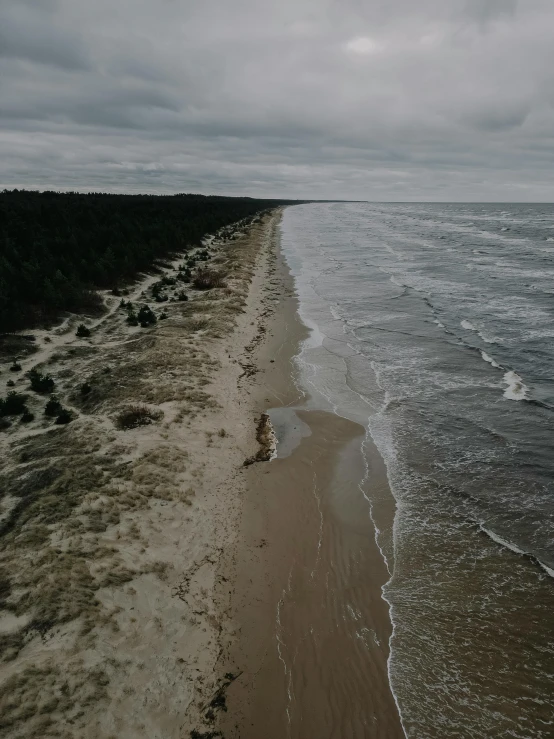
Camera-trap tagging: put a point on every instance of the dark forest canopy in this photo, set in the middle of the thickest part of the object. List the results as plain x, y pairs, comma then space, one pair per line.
57, 248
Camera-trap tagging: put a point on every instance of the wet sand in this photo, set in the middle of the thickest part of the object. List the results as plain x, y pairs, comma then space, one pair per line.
311, 627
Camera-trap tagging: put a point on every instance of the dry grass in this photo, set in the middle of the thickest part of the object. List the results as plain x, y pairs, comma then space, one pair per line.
77, 490
207, 278
137, 415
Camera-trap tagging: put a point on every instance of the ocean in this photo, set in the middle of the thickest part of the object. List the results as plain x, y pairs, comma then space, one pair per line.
433, 326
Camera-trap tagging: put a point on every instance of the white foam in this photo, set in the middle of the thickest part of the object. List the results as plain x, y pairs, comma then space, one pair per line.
513, 548
470, 327
502, 542
516, 390
490, 360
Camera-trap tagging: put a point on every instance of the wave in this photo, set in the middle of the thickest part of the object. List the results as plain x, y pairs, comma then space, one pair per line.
490, 360
470, 327
513, 548
516, 390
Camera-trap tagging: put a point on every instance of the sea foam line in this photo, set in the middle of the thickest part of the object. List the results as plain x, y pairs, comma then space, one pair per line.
517, 389
515, 549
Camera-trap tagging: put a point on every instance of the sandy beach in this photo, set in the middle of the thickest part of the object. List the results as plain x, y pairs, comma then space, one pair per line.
158, 585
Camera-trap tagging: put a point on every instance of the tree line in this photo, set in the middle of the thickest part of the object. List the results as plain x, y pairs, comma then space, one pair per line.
57, 249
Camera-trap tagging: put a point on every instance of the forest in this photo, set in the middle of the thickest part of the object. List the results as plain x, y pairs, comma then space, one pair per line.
57, 249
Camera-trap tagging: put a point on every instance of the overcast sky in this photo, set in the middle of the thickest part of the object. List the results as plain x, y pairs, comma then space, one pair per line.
361, 99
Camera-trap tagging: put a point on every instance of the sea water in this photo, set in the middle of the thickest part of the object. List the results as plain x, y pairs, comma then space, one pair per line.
433, 326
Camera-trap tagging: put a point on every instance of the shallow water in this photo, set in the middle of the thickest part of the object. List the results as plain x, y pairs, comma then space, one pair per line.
432, 325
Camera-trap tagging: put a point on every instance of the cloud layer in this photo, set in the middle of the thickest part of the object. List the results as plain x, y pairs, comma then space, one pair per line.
396, 100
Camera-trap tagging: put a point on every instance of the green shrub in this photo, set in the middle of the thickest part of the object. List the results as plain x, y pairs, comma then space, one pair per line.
13, 404
53, 407
182, 295
83, 331
146, 316
40, 383
15, 367
27, 416
10, 383
64, 416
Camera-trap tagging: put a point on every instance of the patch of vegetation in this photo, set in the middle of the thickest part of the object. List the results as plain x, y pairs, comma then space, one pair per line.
64, 417
53, 407
82, 331
27, 417
182, 295
13, 404
207, 279
137, 415
146, 316
15, 366
40, 383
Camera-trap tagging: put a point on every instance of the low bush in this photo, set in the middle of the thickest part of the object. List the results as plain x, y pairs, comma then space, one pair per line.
27, 416
83, 331
64, 416
182, 295
85, 388
16, 367
146, 316
53, 407
136, 415
10, 383
13, 404
40, 383
206, 279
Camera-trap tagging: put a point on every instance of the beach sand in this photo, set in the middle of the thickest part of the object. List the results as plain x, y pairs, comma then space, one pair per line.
157, 585
312, 628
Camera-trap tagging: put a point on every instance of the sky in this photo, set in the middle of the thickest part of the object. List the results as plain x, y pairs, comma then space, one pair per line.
335, 99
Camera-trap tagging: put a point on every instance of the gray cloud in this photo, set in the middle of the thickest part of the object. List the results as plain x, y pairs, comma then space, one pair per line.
447, 99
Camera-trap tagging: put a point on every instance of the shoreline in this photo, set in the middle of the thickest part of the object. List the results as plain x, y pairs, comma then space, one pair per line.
312, 626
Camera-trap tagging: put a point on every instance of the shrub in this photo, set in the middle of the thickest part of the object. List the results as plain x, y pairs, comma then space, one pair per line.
13, 404
122, 303
64, 416
182, 295
4, 424
10, 383
146, 316
16, 367
40, 383
160, 298
136, 415
27, 416
163, 315
85, 388
82, 331
206, 279
53, 407
132, 319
